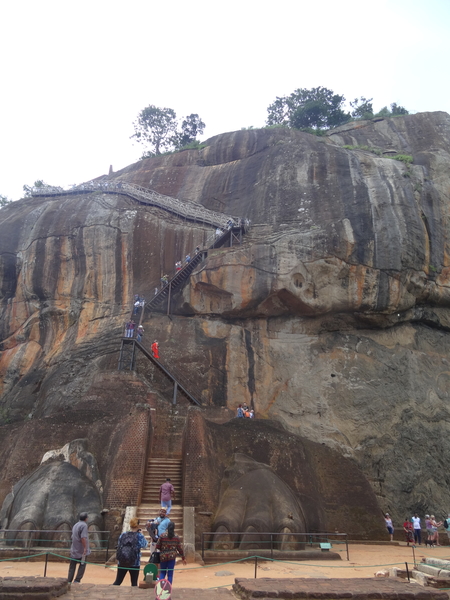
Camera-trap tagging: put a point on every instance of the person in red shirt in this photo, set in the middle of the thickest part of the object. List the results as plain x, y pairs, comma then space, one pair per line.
155, 349
409, 531
166, 495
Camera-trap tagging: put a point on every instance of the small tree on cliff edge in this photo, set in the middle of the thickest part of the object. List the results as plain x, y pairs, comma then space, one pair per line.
318, 108
157, 129
4, 200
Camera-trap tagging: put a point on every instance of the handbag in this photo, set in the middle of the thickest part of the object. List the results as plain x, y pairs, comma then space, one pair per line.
155, 558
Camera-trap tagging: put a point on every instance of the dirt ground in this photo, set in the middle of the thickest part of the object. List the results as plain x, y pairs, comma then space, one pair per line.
365, 561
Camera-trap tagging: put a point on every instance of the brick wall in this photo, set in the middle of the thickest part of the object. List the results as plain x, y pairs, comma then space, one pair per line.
127, 471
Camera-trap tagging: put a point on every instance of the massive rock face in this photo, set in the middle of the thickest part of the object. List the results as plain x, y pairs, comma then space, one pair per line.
332, 317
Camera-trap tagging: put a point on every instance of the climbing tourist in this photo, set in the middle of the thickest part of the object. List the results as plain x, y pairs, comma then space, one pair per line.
152, 528
239, 412
197, 249
162, 521
127, 328
389, 526
409, 531
169, 546
230, 223
156, 290
417, 529
136, 306
129, 553
252, 414
218, 232
140, 333
155, 349
166, 495
79, 548
188, 258
131, 328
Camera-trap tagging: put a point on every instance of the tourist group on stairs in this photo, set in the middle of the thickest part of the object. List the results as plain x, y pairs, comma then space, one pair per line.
243, 411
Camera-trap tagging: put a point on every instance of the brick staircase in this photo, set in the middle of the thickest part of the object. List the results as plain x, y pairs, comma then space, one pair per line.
158, 469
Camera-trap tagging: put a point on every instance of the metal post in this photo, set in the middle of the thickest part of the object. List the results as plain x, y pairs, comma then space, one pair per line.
107, 551
175, 389
256, 564
45, 568
407, 571
346, 544
271, 546
168, 298
414, 555
203, 546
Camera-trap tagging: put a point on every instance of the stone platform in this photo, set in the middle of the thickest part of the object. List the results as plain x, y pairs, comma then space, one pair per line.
32, 588
328, 589
47, 588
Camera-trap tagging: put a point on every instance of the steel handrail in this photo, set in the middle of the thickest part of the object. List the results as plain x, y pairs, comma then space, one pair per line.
187, 209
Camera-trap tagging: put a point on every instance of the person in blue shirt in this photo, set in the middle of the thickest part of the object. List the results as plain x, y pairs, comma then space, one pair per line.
162, 521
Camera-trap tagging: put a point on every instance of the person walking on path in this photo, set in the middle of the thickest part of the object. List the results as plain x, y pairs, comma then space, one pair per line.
140, 333
132, 325
155, 349
166, 495
129, 553
417, 526
169, 546
79, 549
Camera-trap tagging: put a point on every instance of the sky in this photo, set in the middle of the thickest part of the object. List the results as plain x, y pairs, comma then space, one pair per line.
75, 74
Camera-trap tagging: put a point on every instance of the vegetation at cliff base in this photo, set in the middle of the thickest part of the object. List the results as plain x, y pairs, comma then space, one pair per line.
158, 130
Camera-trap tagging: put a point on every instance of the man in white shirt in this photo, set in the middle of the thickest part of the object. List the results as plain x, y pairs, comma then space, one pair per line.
417, 529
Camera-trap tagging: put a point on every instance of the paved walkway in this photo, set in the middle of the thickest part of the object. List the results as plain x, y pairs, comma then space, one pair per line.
114, 592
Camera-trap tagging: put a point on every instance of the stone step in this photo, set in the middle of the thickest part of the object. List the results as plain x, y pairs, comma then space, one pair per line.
433, 570
437, 562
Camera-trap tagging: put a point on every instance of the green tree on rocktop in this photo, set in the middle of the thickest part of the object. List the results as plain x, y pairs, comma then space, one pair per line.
157, 129
318, 108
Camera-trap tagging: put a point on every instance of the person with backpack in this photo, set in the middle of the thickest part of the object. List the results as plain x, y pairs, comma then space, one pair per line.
240, 412
129, 553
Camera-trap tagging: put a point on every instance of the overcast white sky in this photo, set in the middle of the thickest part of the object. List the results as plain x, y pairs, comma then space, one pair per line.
75, 74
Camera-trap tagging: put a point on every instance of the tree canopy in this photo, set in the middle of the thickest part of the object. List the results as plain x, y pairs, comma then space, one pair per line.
4, 200
320, 108
29, 188
157, 129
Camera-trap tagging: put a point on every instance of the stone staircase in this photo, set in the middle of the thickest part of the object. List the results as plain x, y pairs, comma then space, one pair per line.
157, 471
433, 572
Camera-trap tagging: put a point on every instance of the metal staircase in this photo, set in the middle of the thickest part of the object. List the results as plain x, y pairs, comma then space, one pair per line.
127, 361
228, 237
185, 209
